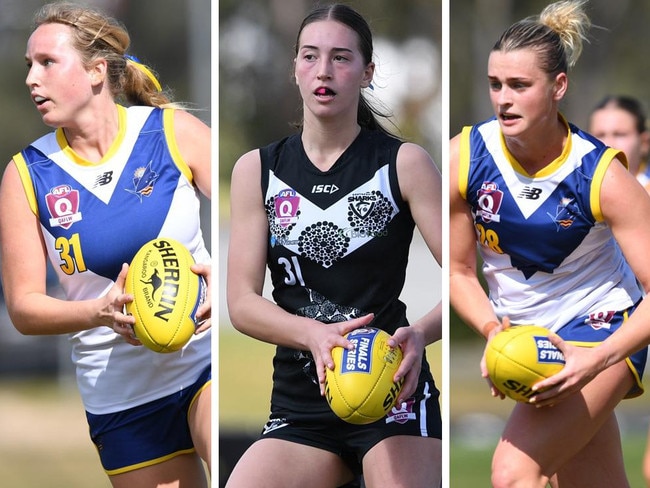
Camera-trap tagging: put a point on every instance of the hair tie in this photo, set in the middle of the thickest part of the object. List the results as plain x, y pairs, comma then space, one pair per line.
136, 62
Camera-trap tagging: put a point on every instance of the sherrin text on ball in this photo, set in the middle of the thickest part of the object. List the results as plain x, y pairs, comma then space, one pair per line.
166, 294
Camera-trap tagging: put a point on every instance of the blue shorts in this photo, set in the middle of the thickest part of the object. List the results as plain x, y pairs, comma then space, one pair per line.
588, 331
147, 434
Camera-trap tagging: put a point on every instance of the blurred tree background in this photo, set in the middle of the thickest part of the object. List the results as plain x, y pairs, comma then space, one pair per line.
612, 62
258, 100
174, 38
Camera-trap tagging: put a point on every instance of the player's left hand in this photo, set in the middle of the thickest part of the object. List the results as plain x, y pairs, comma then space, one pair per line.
204, 313
411, 341
582, 365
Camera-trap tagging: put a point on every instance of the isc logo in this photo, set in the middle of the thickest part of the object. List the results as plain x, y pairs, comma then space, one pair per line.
324, 189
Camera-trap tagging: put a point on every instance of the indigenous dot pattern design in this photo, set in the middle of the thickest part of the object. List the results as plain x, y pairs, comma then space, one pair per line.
326, 311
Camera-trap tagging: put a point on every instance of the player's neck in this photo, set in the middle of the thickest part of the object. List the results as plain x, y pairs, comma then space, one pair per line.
93, 133
324, 143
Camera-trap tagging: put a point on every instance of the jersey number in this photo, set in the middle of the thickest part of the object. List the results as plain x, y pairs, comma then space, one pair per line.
292, 268
70, 253
488, 238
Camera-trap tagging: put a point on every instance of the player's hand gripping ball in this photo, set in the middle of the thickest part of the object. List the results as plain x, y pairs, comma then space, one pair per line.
166, 294
520, 356
360, 388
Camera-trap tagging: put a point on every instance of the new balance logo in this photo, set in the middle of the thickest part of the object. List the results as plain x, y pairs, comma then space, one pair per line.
103, 179
530, 193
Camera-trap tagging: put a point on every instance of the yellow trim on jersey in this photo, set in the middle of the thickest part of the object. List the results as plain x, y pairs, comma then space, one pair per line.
597, 180
550, 168
170, 135
121, 131
463, 162
151, 462
26, 179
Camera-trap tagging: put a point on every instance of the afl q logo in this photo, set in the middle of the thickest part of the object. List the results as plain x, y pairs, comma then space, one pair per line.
286, 207
63, 206
489, 201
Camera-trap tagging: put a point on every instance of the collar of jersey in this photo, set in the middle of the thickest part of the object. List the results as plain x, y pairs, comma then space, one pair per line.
550, 168
70, 153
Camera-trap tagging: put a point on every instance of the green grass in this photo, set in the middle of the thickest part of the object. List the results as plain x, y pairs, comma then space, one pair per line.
470, 468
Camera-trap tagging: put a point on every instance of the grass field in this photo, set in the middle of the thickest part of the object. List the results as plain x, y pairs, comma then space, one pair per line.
43, 438
476, 420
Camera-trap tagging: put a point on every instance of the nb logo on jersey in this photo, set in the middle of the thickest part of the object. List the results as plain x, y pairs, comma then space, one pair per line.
530, 193
103, 179
324, 189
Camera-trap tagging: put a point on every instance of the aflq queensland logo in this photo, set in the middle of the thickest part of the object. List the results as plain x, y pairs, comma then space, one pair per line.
489, 201
63, 205
358, 360
286, 207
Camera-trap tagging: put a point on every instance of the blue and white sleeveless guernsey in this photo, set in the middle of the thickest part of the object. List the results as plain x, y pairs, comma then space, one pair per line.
94, 217
548, 256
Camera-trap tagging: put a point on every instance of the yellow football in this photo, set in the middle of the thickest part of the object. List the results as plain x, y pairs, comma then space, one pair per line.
166, 294
520, 356
360, 388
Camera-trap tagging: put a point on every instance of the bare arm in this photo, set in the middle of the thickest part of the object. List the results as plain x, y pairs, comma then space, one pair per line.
421, 187
250, 312
626, 207
24, 266
193, 140
465, 291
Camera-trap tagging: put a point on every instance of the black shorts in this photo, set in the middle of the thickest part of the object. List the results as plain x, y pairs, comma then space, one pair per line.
418, 416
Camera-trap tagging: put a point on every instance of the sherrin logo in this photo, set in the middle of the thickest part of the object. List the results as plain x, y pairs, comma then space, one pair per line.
168, 284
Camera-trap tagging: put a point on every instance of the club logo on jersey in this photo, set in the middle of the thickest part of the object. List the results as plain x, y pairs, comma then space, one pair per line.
489, 201
369, 214
362, 205
600, 320
402, 413
144, 179
63, 205
286, 205
565, 213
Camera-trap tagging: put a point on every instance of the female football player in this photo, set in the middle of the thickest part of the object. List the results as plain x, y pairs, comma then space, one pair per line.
337, 262
555, 214
117, 171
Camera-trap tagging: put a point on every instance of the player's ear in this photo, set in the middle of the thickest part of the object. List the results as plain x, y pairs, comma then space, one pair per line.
560, 86
97, 71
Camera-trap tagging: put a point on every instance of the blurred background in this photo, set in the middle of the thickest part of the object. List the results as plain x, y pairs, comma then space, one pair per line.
613, 62
43, 432
258, 102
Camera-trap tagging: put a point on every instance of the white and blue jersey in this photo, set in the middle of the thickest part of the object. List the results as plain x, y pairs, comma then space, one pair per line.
548, 256
93, 218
